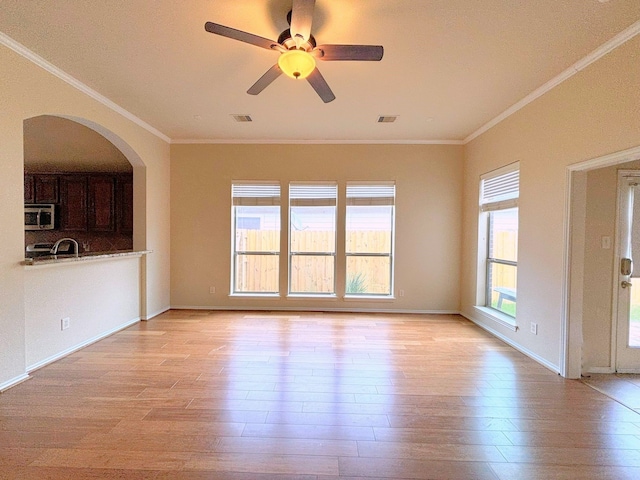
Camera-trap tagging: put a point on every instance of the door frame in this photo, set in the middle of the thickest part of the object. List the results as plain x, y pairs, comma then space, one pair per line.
571, 331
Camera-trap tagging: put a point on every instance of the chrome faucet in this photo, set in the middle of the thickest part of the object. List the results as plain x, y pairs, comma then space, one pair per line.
54, 249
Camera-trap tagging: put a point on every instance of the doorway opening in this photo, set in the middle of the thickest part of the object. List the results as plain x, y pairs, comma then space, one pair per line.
591, 337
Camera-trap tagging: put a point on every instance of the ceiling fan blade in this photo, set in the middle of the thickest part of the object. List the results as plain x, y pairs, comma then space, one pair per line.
240, 35
321, 86
349, 52
301, 19
265, 80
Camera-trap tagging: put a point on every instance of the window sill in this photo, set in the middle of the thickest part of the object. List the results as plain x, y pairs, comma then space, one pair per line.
324, 296
368, 298
256, 295
491, 314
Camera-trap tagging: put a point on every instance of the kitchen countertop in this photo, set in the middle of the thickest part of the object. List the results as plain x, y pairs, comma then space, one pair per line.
82, 257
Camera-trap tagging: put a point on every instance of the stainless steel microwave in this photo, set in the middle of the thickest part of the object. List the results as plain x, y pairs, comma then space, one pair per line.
39, 216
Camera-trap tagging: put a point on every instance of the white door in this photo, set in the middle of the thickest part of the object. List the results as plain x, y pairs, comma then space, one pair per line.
628, 278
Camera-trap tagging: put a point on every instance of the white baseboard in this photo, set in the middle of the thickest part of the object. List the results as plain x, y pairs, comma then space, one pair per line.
79, 346
311, 309
511, 343
13, 382
149, 316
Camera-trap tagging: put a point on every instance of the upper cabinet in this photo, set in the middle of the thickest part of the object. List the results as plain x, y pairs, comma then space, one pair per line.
124, 201
102, 199
87, 202
73, 203
46, 187
41, 189
29, 189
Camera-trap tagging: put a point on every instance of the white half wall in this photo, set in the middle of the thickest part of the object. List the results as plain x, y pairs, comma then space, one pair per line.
99, 297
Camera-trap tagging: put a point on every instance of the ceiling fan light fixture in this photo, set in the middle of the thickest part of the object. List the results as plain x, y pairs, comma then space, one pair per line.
296, 63
298, 50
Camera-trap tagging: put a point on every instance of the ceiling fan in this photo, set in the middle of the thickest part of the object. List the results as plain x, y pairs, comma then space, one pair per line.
298, 50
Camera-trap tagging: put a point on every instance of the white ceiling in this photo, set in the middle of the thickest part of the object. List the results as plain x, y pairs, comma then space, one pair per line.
449, 67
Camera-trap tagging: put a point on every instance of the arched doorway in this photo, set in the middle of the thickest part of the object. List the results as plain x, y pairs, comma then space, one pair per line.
108, 152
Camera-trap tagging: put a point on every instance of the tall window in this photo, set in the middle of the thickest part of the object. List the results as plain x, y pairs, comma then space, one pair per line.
256, 238
499, 193
369, 239
312, 238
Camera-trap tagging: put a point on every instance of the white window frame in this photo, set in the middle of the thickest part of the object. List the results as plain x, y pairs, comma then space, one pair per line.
499, 190
253, 194
373, 193
322, 194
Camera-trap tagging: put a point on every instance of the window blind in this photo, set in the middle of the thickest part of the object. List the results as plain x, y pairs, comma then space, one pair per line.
370, 194
313, 194
500, 191
255, 194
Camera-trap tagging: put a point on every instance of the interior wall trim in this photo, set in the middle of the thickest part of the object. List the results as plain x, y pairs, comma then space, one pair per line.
80, 346
20, 49
592, 57
248, 141
23, 51
152, 315
311, 309
13, 382
624, 36
534, 356
614, 158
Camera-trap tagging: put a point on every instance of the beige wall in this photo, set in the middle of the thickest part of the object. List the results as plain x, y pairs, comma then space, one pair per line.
27, 91
592, 114
428, 203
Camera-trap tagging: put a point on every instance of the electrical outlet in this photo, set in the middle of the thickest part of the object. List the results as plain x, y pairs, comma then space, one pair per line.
401, 292
534, 328
65, 323
212, 289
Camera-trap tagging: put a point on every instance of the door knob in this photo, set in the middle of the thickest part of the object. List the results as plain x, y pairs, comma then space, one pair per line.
626, 284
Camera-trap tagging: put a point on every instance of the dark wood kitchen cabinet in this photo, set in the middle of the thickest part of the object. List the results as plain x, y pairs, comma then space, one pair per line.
46, 188
87, 202
101, 203
124, 201
73, 203
29, 189
41, 189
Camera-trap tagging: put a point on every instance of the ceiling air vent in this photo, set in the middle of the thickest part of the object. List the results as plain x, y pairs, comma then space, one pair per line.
387, 118
242, 118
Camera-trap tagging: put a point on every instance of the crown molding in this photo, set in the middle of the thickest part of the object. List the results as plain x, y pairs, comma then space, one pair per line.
242, 141
23, 51
624, 36
595, 55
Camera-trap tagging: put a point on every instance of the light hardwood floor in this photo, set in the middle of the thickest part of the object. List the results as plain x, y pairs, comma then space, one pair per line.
622, 387
283, 396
